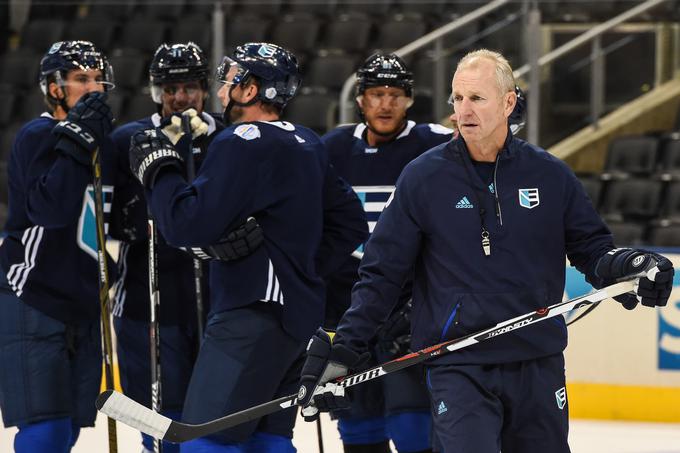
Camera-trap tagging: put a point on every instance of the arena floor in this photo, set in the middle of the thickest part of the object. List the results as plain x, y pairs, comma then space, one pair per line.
586, 437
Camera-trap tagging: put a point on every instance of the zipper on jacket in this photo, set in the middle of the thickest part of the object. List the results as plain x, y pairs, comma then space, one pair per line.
499, 213
451, 320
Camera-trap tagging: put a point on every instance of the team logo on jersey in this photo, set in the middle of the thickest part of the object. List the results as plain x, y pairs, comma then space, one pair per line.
248, 131
528, 198
299, 139
492, 189
464, 203
561, 397
374, 199
370, 150
87, 225
266, 51
442, 409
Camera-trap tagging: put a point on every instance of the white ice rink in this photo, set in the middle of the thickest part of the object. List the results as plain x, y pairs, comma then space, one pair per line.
585, 437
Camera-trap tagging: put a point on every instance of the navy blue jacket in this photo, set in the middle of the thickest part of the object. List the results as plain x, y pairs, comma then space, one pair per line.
543, 214
129, 224
274, 172
373, 172
49, 256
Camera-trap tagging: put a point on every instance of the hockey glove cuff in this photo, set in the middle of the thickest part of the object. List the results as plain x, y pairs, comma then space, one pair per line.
239, 243
655, 284
149, 153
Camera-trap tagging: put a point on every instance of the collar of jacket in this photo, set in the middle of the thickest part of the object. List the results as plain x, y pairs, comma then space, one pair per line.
459, 148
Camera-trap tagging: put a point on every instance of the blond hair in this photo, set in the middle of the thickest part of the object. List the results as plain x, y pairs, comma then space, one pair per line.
504, 77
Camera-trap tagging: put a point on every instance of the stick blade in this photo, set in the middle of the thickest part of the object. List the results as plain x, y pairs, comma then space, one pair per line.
125, 410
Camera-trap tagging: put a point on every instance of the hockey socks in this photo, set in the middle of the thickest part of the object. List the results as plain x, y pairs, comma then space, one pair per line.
49, 436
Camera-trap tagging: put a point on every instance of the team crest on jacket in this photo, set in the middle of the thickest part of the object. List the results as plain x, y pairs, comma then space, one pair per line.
528, 198
248, 131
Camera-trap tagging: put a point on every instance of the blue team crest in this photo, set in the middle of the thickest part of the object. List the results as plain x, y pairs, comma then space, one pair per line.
87, 227
266, 51
528, 198
248, 131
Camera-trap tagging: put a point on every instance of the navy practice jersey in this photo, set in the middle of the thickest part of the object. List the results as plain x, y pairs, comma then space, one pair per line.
434, 222
372, 171
49, 256
275, 172
129, 224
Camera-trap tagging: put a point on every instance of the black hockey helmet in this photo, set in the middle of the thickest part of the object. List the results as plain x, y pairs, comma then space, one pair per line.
65, 56
177, 63
384, 70
517, 117
275, 69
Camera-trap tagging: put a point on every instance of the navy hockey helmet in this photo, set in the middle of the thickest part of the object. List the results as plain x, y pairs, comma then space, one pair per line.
517, 117
177, 63
275, 69
65, 56
384, 70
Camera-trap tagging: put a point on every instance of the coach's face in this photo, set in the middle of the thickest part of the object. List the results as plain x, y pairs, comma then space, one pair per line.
480, 109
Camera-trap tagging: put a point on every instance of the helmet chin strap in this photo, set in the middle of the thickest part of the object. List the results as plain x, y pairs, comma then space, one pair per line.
232, 102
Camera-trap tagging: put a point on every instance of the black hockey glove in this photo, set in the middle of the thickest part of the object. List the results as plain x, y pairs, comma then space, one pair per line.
394, 337
239, 243
85, 127
150, 151
325, 362
654, 288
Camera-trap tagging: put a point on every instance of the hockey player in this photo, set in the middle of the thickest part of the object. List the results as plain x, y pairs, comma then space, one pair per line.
484, 222
50, 346
370, 156
178, 77
264, 307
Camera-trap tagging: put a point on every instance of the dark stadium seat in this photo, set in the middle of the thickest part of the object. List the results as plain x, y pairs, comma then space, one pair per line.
664, 235
19, 69
130, 71
634, 197
670, 206
138, 106
330, 70
373, 7
141, 35
40, 34
398, 31
7, 107
669, 157
197, 29
314, 109
593, 186
7, 138
349, 32
631, 155
170, 10
244, 28
297, 32
627, 233
33, 105
270, 8
98, 31
106, 9
430, 8
3, 187
317, 7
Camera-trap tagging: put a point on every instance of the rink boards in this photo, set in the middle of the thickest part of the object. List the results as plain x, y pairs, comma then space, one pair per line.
625, 365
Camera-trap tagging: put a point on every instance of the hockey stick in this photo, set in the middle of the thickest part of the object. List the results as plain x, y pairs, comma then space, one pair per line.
154, 325
131, 413
198, 266
104, 301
